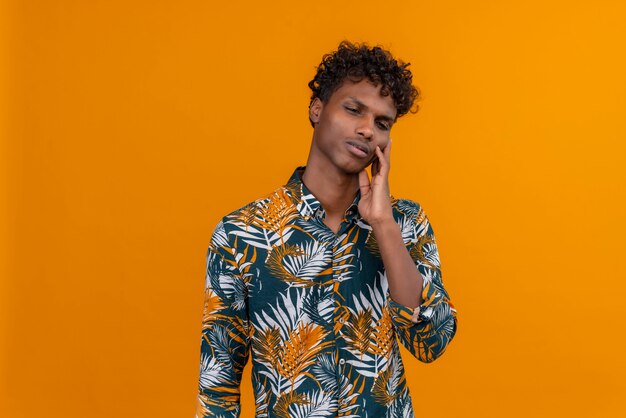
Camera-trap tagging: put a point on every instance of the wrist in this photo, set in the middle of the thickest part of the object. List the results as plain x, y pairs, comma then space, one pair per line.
383, 223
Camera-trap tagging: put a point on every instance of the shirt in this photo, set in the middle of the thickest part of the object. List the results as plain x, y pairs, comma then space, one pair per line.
314, 309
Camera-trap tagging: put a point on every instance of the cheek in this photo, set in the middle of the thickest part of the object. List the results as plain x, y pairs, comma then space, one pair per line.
335, 127
384, 142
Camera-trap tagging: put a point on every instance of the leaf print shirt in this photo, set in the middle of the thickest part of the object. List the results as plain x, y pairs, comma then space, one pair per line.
314, 310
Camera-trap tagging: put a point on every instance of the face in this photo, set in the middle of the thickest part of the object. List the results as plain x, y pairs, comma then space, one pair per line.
351, 124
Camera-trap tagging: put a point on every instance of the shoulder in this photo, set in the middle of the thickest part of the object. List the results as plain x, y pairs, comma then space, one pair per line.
243, 215
405, 208
410, 215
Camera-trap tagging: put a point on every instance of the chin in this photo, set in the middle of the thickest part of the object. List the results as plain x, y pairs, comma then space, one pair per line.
352, 167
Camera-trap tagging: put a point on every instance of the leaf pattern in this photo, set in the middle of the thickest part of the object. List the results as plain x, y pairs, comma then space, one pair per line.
299, 351
313, 308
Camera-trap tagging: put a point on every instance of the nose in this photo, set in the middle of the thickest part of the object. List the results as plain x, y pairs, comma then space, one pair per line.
366, 128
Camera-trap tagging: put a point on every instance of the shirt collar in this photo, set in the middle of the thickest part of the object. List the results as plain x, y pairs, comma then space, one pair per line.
308, 205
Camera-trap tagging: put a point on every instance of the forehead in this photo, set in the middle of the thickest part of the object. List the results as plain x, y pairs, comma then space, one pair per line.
367, 93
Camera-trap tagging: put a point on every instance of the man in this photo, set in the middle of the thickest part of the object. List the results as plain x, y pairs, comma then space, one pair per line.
319, 278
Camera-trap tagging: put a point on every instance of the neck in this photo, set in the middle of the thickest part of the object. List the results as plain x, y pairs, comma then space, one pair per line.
334, 188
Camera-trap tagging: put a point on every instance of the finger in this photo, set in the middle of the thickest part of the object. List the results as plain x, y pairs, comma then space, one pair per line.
375, 167
383, 163
364, 182
388, 154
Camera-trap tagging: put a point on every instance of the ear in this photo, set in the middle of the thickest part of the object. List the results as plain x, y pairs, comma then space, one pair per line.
315, 110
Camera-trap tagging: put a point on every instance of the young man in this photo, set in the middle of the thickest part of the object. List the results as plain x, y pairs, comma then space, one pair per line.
319, 278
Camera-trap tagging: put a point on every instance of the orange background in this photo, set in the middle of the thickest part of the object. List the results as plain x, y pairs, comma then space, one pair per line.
130, 128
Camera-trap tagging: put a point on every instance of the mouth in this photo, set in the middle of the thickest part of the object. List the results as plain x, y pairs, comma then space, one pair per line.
358, 148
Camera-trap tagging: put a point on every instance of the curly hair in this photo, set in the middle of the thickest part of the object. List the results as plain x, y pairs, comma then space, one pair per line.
358, 61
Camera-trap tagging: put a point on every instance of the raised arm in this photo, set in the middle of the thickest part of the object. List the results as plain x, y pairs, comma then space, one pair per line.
427, 329
423, 316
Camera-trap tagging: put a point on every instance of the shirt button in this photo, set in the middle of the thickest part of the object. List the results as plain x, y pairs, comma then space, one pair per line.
342, 362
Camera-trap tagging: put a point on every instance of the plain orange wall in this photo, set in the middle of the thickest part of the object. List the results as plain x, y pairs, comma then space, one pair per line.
130, 128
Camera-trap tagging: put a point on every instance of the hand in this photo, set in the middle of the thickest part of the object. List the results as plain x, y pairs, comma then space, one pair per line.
375, 204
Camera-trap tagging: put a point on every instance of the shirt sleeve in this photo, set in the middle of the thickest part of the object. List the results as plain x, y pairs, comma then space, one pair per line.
225, 339
427, 330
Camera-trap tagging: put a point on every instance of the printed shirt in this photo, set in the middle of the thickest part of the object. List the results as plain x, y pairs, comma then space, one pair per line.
314, 309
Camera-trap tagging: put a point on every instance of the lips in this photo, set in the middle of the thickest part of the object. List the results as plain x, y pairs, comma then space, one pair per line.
360, 148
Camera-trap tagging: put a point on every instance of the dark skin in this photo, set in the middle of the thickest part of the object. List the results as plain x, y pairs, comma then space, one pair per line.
351, 132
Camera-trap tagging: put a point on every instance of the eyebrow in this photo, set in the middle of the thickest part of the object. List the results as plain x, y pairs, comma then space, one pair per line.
363, 105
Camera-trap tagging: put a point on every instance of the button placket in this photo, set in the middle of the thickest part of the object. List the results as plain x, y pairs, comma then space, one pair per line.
337, 311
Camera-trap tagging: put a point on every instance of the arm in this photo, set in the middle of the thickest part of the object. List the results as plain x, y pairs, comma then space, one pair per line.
424, 318
414, 274
225, 338
405, 281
